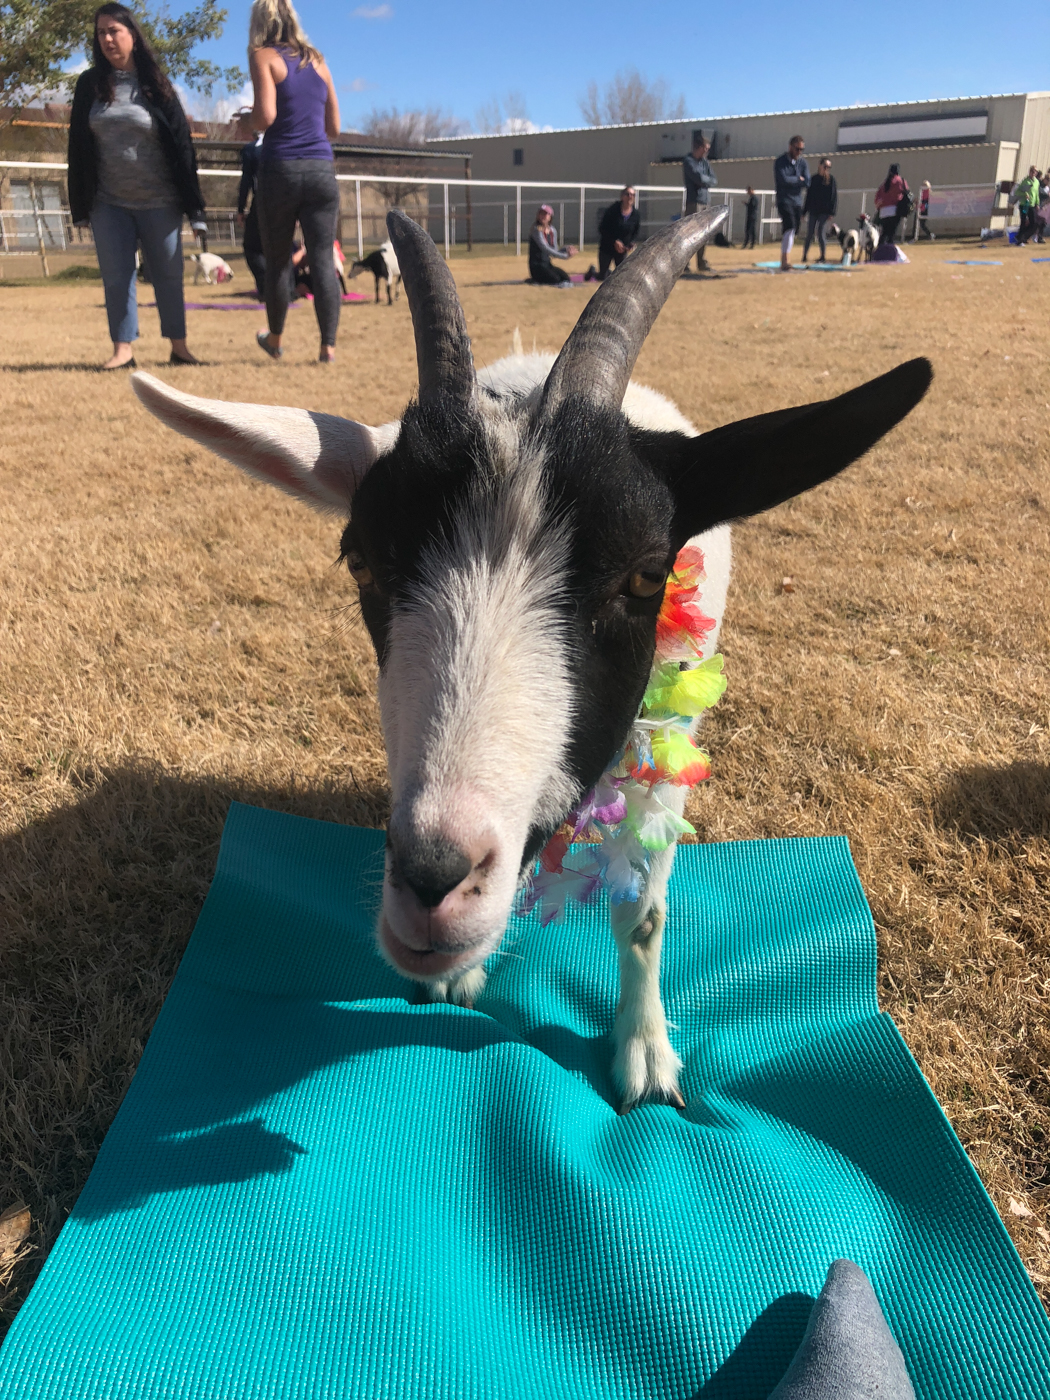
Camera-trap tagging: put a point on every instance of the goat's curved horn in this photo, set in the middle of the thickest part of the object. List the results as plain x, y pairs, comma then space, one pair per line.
443, 357
597, 359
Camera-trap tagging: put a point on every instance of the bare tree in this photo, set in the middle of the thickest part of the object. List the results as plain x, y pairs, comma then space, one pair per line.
408, 128
508, 117
412, 126
629, 99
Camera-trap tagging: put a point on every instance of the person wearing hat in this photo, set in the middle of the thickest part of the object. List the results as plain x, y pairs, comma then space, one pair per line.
617, 234
543, 245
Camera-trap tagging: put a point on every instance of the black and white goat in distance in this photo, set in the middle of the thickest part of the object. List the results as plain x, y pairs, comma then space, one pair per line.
510, 538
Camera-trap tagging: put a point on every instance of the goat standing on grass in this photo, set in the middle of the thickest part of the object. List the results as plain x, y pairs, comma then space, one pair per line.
383, 266
511, 537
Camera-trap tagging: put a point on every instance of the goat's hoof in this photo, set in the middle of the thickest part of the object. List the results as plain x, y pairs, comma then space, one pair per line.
645, 1070
669, 1098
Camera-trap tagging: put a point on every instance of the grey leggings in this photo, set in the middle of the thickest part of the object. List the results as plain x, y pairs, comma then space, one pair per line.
303, 190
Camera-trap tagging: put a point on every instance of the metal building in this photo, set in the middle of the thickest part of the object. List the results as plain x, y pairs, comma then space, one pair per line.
976, 144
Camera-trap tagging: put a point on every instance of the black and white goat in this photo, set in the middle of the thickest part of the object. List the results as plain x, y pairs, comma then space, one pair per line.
860, 240
383, 266
511, 537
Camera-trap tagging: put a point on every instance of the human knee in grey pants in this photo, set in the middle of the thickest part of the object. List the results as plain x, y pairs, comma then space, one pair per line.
303, 190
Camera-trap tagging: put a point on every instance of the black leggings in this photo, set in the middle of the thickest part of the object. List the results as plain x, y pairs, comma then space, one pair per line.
253, 251
303, 190
888, 227
607, 254
547, 275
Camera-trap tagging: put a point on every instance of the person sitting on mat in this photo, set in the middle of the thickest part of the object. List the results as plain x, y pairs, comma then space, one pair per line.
617, 234
543, 245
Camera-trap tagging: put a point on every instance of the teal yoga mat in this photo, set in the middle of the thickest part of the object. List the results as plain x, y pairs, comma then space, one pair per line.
316, 1189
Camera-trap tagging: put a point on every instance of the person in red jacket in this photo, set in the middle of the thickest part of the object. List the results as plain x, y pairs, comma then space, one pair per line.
891, 199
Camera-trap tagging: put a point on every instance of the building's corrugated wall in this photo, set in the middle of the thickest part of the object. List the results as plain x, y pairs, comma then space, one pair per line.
614, 155
1035, 134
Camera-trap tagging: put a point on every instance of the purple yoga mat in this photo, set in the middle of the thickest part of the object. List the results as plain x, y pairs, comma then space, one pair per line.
252, 305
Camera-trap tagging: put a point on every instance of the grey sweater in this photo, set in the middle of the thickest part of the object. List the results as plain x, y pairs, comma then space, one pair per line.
132, 168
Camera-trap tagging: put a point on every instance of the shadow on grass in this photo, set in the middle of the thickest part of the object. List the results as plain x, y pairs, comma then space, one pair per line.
97, 902
1007, 803
44, 369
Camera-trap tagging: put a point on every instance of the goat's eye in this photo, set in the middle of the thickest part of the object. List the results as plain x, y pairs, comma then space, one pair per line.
359, 570
646, 584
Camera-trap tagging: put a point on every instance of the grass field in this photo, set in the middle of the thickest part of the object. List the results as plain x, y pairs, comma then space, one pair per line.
173, 636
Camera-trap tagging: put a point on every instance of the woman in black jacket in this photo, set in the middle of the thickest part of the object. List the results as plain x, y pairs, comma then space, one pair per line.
132, 177
617, 234
822, 202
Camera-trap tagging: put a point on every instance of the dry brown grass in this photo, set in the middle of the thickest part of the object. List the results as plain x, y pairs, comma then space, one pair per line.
173, 636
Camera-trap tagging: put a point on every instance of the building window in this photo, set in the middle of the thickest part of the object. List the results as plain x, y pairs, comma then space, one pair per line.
519, 155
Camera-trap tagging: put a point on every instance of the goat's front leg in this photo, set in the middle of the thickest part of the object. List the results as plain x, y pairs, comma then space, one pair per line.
644, 1064
460, 991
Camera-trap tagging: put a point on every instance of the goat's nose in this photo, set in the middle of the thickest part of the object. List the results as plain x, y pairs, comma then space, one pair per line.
431, 866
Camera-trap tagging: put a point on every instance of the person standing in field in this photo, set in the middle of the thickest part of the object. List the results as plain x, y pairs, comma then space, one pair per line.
698, 178
543, 245
1026, 196
822, 202
892, 200
297, 111
791, 181
248, 215
924, 212
132, 178
617, 234
750, 218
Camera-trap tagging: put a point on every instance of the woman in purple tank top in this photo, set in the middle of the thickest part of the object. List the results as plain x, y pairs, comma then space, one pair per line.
297, 110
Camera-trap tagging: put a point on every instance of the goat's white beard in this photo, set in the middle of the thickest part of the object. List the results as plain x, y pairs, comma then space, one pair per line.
477, 705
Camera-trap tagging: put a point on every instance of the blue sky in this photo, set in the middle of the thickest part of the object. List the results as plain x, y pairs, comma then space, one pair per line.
756, 57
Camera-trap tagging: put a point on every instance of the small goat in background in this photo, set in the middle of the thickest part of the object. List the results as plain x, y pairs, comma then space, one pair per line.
511, 538
383, 266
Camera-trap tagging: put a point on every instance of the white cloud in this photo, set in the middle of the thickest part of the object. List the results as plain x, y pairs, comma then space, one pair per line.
215, 109
360, 85
374, 12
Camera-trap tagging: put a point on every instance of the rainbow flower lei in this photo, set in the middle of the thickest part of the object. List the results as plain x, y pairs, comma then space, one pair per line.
624, 812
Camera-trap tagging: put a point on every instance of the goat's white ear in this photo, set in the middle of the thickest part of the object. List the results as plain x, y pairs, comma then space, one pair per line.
315, 456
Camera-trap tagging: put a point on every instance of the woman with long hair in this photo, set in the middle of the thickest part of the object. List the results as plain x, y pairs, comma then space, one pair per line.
297, 110
543, 245
132, 177
891, 200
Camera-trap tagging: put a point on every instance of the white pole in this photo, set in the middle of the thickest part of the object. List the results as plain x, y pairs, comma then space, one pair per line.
864, 202
517, 235
360, 226
583, 215
446, 220
762, 219
506, 224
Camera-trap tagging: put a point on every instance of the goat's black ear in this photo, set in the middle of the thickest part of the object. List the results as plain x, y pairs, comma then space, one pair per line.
747, 467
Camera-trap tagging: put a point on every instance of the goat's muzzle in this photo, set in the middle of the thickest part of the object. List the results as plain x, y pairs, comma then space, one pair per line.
434, 922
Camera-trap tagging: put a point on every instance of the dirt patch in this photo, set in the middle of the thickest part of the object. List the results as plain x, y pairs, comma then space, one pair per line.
173, 635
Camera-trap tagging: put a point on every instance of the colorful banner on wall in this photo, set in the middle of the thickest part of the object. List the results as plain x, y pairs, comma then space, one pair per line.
969, 202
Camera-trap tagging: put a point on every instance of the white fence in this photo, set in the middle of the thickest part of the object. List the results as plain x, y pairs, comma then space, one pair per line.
456, 212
